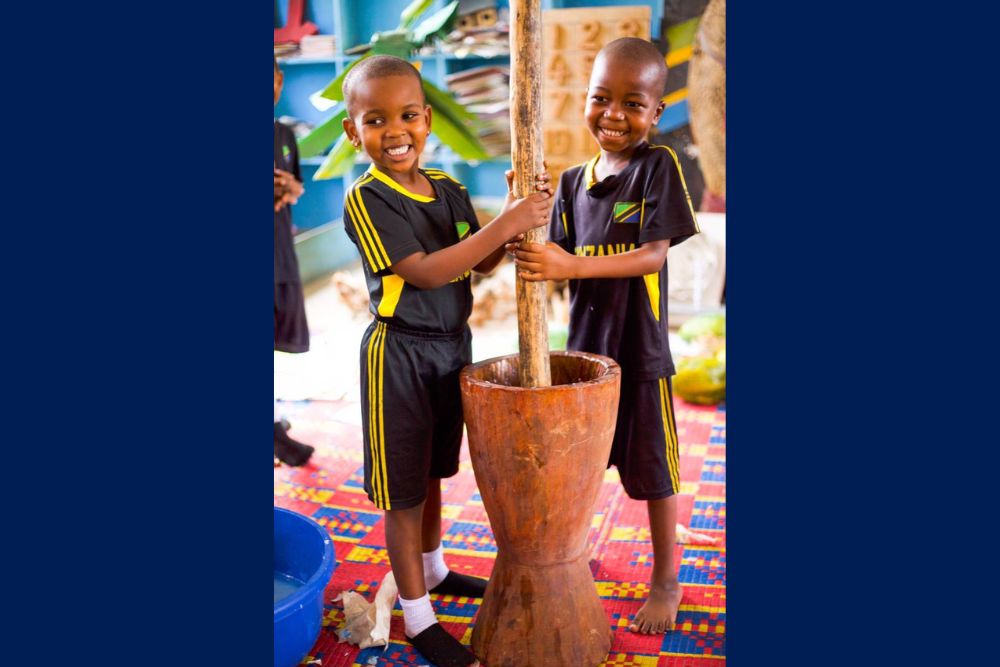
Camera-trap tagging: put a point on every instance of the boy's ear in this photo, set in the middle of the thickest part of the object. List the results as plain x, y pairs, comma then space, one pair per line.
351, 130
659, 111
427, 110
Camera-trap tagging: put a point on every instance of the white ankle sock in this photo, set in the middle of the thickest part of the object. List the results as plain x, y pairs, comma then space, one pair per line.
418, 615
434, 568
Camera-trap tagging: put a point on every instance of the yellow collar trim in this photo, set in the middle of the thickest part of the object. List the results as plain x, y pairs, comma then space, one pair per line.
374, 171
589, 170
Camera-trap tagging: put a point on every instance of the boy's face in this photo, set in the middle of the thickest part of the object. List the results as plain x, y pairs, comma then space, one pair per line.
390, 119
622, 104
279, 80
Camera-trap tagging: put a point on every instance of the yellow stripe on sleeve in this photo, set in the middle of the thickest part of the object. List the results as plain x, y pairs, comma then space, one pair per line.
360, 230
687, 195
377, 249
363, 227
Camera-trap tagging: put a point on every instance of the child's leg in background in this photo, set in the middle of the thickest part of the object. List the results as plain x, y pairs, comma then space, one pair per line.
291, 335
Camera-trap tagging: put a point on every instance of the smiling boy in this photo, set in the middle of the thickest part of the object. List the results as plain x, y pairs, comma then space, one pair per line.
614, 219
419, 240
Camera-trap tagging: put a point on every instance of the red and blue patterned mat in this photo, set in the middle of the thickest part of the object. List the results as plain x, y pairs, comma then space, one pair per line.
329, 490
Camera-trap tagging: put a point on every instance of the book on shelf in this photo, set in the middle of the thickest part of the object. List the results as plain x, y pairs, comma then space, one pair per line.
485, 46
494, 94
462, 77
286, 50
492, 109
318, 46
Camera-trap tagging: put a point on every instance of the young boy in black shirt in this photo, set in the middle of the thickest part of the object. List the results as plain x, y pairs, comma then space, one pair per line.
613, 221
419, 240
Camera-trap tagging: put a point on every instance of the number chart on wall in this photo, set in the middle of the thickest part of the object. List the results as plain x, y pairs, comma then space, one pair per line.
572, 38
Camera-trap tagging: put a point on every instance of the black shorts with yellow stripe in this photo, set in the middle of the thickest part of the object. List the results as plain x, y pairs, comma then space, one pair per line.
645, 448
411, 408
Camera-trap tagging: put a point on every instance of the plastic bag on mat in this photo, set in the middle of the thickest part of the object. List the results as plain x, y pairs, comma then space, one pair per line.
367, 624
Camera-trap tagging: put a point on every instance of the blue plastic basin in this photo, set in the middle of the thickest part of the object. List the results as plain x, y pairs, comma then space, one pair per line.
303, 562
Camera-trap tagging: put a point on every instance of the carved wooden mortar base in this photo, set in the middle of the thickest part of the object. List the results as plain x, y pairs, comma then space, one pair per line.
539, 456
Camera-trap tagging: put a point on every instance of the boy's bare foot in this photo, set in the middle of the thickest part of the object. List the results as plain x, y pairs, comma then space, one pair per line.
659, 613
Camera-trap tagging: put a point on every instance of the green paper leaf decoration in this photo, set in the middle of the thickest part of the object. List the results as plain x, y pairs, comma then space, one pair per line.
413, 12
393, 43
335, 89
322, 135
453, 136
440, 20
338, 162
450, 122
442, 100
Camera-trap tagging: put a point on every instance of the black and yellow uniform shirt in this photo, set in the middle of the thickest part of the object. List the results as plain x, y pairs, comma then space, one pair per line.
286, 157
623, 318
388, 223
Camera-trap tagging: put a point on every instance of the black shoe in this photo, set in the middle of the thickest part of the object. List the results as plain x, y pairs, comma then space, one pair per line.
440, 648
289, 451
460, 585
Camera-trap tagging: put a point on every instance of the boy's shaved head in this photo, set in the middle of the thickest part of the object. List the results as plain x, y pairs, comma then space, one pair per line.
641, 54
375, 67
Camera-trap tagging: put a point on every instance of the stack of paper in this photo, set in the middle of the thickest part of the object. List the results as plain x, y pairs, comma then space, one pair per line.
318, 46
285, 49
486, 42
485, 91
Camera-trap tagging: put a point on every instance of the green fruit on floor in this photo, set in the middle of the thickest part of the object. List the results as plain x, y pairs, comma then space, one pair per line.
701, 380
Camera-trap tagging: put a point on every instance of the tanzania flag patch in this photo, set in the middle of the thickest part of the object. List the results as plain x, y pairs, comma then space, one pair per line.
286, 151
628, 212
463, 229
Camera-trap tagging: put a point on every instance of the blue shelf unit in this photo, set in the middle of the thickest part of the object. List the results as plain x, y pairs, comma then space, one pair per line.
320, 241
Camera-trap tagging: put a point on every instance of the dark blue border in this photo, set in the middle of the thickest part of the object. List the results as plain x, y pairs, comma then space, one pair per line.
136, 253
857, 258
859, 229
